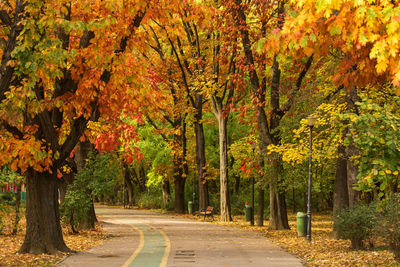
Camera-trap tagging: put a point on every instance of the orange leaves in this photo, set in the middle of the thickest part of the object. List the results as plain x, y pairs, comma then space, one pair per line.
21, 154
352, 28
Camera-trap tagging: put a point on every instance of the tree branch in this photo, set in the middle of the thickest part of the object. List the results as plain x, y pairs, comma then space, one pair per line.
285, 108
156, 127
5, 18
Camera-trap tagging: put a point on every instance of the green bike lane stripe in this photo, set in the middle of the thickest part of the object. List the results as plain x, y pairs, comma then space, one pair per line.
153, 249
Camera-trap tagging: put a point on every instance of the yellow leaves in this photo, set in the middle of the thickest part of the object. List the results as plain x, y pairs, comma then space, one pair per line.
379, 52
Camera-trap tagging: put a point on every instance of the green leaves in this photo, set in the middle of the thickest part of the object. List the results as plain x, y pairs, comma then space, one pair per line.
335, 30
377, 139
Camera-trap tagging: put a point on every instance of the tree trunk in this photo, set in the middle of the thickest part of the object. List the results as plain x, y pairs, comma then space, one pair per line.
180, 195
180, 166
128, 183
166, 192
142, 179
278, 219
261, 193
43, 229
340, 193
201, 163
352, 173
223, 170
129, 188
351, 151
294, 200
260, 211
236, 177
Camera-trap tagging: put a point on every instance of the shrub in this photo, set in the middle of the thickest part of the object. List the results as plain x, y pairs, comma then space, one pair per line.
389, 227
356, 223
97, 178
150, 201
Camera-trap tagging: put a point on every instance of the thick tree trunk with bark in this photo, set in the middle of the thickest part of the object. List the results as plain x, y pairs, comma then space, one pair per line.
201, 163
278, 219
179, 183
43, 229
340, 193
166, 192
179, 194
181, 169
223, 170
260, 211
278, 212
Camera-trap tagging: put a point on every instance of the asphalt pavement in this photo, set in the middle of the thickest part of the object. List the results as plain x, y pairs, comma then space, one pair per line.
147, 239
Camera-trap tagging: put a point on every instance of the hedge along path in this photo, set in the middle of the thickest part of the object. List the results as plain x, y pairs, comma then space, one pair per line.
154, 247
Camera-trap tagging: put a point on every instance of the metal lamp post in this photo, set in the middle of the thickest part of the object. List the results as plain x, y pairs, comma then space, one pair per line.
311, 122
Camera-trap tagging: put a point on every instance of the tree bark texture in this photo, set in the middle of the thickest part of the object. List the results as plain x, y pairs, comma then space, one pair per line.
43, 229
223, 169
201, 165
166, 192
351, 151
278, 219
352, 173
260, 211
180, 168
128, 184
129, 188
278, 211
340, 193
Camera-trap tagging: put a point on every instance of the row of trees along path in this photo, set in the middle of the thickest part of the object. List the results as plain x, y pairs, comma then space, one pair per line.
74, 74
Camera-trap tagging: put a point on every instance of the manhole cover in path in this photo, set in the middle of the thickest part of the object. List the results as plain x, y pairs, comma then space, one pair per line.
184, 256
107, 256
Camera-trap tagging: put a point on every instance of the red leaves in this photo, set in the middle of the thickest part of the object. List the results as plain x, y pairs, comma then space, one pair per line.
120, 138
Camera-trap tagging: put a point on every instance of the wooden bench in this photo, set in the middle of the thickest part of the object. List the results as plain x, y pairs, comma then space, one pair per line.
207, 212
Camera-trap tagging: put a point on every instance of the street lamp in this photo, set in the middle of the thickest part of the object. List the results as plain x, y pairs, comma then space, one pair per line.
311, 122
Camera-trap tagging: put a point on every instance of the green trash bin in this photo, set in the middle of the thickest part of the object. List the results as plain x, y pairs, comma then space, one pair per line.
247, 212
23, 196
301, 224
190, 207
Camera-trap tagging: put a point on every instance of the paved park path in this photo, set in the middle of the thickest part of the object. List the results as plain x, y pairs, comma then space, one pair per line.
147, 239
